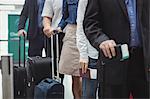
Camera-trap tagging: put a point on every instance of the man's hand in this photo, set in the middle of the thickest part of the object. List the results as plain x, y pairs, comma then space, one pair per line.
22, 32
48, 31
108, 48
84, 67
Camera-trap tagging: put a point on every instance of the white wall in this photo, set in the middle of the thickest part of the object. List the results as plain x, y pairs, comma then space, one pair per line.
12, 2
7, 7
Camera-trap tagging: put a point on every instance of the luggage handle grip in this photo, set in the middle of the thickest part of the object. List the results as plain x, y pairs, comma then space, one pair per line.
47, 81
56, 32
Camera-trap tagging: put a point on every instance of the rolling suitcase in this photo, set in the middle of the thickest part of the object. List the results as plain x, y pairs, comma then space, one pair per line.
20, 76
38, 68
51, 88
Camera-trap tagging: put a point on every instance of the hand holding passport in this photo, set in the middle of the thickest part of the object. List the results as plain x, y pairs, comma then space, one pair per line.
110, 49
121, 53
91, 73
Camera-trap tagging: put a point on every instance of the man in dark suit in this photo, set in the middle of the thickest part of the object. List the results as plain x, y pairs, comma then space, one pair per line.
146, 35
111, 22
35, 33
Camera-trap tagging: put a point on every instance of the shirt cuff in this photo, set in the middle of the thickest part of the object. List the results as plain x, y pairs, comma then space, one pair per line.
62, 24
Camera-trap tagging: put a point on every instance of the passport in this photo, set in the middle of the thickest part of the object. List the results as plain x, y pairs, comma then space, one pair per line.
122, 54
91, 73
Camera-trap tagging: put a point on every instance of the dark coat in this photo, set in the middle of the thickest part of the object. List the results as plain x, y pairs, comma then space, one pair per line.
30, 11
108, 19
146, 35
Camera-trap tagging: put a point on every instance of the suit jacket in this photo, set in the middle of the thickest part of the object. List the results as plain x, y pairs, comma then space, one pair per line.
30, 11
146, 35
108, 19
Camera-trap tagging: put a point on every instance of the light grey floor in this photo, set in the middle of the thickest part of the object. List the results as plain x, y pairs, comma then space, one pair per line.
68, 87
0, 85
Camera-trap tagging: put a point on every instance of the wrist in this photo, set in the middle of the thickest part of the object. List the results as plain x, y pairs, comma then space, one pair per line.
83, 60
47, 26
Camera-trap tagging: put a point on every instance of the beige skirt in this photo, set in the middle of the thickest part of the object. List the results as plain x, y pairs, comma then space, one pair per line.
69, 59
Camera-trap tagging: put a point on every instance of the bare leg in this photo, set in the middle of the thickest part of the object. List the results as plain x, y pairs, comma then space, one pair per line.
76, 87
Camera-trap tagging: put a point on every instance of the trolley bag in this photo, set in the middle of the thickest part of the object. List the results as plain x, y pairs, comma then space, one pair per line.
48, 52
20, 76
51, 88
38, 68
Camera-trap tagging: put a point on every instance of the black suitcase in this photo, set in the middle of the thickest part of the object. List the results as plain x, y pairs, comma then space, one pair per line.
19, 82
51, 88
20, 76
38, 68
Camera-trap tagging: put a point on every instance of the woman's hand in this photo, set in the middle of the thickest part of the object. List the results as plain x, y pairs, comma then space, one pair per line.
84, 67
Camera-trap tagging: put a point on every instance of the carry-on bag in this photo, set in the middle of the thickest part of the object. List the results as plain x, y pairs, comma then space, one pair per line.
20, 75
51, 88
38, 68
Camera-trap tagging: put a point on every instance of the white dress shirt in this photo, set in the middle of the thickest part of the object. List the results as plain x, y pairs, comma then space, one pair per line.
53, 9
85, 48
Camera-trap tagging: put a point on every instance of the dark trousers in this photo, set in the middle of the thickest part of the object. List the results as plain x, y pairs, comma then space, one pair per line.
36, 46
136, 83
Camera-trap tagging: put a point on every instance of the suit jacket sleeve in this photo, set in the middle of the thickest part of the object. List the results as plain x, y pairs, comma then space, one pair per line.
24, 15
92, 24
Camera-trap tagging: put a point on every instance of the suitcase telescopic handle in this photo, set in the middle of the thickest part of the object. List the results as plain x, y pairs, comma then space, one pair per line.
23, 50
57, 54
55, 32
